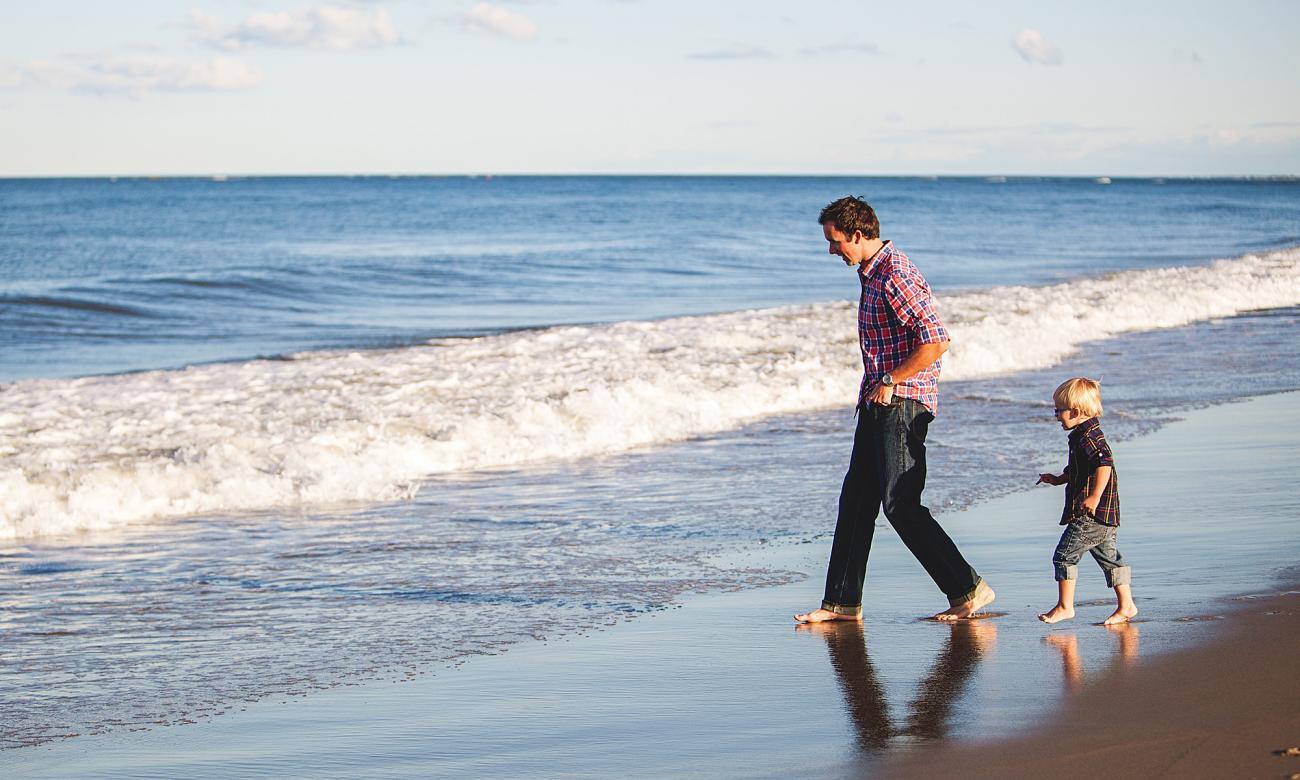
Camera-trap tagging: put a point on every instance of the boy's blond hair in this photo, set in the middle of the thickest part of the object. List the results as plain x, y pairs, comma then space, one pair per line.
1080, 394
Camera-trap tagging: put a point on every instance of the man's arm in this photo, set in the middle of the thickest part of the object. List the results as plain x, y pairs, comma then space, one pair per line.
921, 358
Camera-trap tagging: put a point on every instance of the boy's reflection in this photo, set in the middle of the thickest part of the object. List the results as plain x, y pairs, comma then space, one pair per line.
930, 711
1126, 653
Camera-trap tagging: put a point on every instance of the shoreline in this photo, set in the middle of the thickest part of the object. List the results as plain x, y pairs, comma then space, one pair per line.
721, 685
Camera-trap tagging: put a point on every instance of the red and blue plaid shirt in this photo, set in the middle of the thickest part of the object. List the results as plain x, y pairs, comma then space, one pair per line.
1089, 451
896, 315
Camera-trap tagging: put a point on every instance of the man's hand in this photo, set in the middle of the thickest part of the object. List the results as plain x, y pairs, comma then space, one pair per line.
879, 394
1048, 479
1090, 504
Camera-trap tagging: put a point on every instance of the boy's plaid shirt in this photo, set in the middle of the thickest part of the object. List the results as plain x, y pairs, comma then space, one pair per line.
896, 314
1088, 451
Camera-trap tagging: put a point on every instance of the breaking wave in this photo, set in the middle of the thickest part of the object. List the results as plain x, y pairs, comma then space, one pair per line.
330, 428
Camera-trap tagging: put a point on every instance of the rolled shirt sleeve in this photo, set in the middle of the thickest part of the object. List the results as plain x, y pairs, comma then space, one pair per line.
909, 296
1097, 449
896, 314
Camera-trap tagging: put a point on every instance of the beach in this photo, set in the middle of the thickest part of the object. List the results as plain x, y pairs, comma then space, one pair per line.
544, 505
1228, 708
397, 392
723, 684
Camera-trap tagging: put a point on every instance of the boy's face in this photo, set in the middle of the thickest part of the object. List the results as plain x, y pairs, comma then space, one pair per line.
1069, 417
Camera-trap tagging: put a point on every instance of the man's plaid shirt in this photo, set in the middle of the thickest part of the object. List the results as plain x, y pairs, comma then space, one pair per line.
1088, 452
895, 315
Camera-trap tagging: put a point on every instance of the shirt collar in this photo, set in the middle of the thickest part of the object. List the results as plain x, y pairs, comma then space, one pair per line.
865, 269
1082, 429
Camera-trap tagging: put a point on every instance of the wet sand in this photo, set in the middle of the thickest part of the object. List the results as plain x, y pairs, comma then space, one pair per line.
1225, 709
727, 687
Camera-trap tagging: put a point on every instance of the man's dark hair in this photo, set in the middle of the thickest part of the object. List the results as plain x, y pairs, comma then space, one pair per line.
849, 214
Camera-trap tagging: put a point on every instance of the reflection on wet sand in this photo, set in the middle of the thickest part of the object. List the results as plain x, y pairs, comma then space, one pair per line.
1072, 672
930, 711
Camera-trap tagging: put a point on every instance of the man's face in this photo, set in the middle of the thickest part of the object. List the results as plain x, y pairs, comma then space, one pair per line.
847, 248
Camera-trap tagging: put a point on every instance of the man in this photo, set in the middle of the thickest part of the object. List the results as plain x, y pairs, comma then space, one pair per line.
902, 339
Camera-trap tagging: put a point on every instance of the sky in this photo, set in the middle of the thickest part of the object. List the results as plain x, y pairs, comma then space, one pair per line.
244, 87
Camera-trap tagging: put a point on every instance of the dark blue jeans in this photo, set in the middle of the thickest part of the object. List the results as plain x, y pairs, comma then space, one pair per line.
887, 470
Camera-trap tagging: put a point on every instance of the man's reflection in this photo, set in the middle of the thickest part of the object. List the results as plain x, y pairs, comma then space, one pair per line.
857, 677
931, 710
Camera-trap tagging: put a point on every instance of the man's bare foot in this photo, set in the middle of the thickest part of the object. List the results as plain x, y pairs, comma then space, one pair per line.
1121, 615
831, 629
983, 597
1056, 614
824, 615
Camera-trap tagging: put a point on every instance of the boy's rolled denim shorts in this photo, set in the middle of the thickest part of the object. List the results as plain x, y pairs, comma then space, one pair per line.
1085, 535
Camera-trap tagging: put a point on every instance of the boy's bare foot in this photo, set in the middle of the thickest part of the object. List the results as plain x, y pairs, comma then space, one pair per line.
1121, 615
1056, 614
983, 597
823, 615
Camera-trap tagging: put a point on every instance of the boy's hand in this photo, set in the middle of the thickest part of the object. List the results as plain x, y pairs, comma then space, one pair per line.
1090, 504
1048, 479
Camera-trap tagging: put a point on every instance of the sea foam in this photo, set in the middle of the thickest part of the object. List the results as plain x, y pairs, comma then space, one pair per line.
334, 428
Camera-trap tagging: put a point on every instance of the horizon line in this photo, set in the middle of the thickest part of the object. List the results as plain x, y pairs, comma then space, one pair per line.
226, 176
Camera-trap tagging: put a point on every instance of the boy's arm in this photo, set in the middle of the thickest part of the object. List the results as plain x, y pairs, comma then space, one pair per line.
1099, 482
1052, 479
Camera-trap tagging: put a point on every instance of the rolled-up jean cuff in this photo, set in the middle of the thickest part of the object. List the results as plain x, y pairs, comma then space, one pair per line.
1120, 575
1067, 571
841, 609
968, 595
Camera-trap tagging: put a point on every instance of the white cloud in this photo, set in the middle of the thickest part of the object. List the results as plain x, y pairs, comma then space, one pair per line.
736, 53
12, 75
1258, 136
335, 27
840, 48
132, 75
1034, 48
494, 20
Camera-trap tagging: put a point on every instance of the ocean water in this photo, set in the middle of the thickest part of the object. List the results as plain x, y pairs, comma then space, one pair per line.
261, 437
106, 276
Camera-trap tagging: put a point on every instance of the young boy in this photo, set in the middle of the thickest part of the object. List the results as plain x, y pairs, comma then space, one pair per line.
1091, 516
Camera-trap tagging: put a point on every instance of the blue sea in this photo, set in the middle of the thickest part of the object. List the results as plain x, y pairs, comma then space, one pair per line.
264, 436
106, 276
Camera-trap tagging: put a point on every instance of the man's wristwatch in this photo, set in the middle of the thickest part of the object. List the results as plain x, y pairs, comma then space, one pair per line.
887, 380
